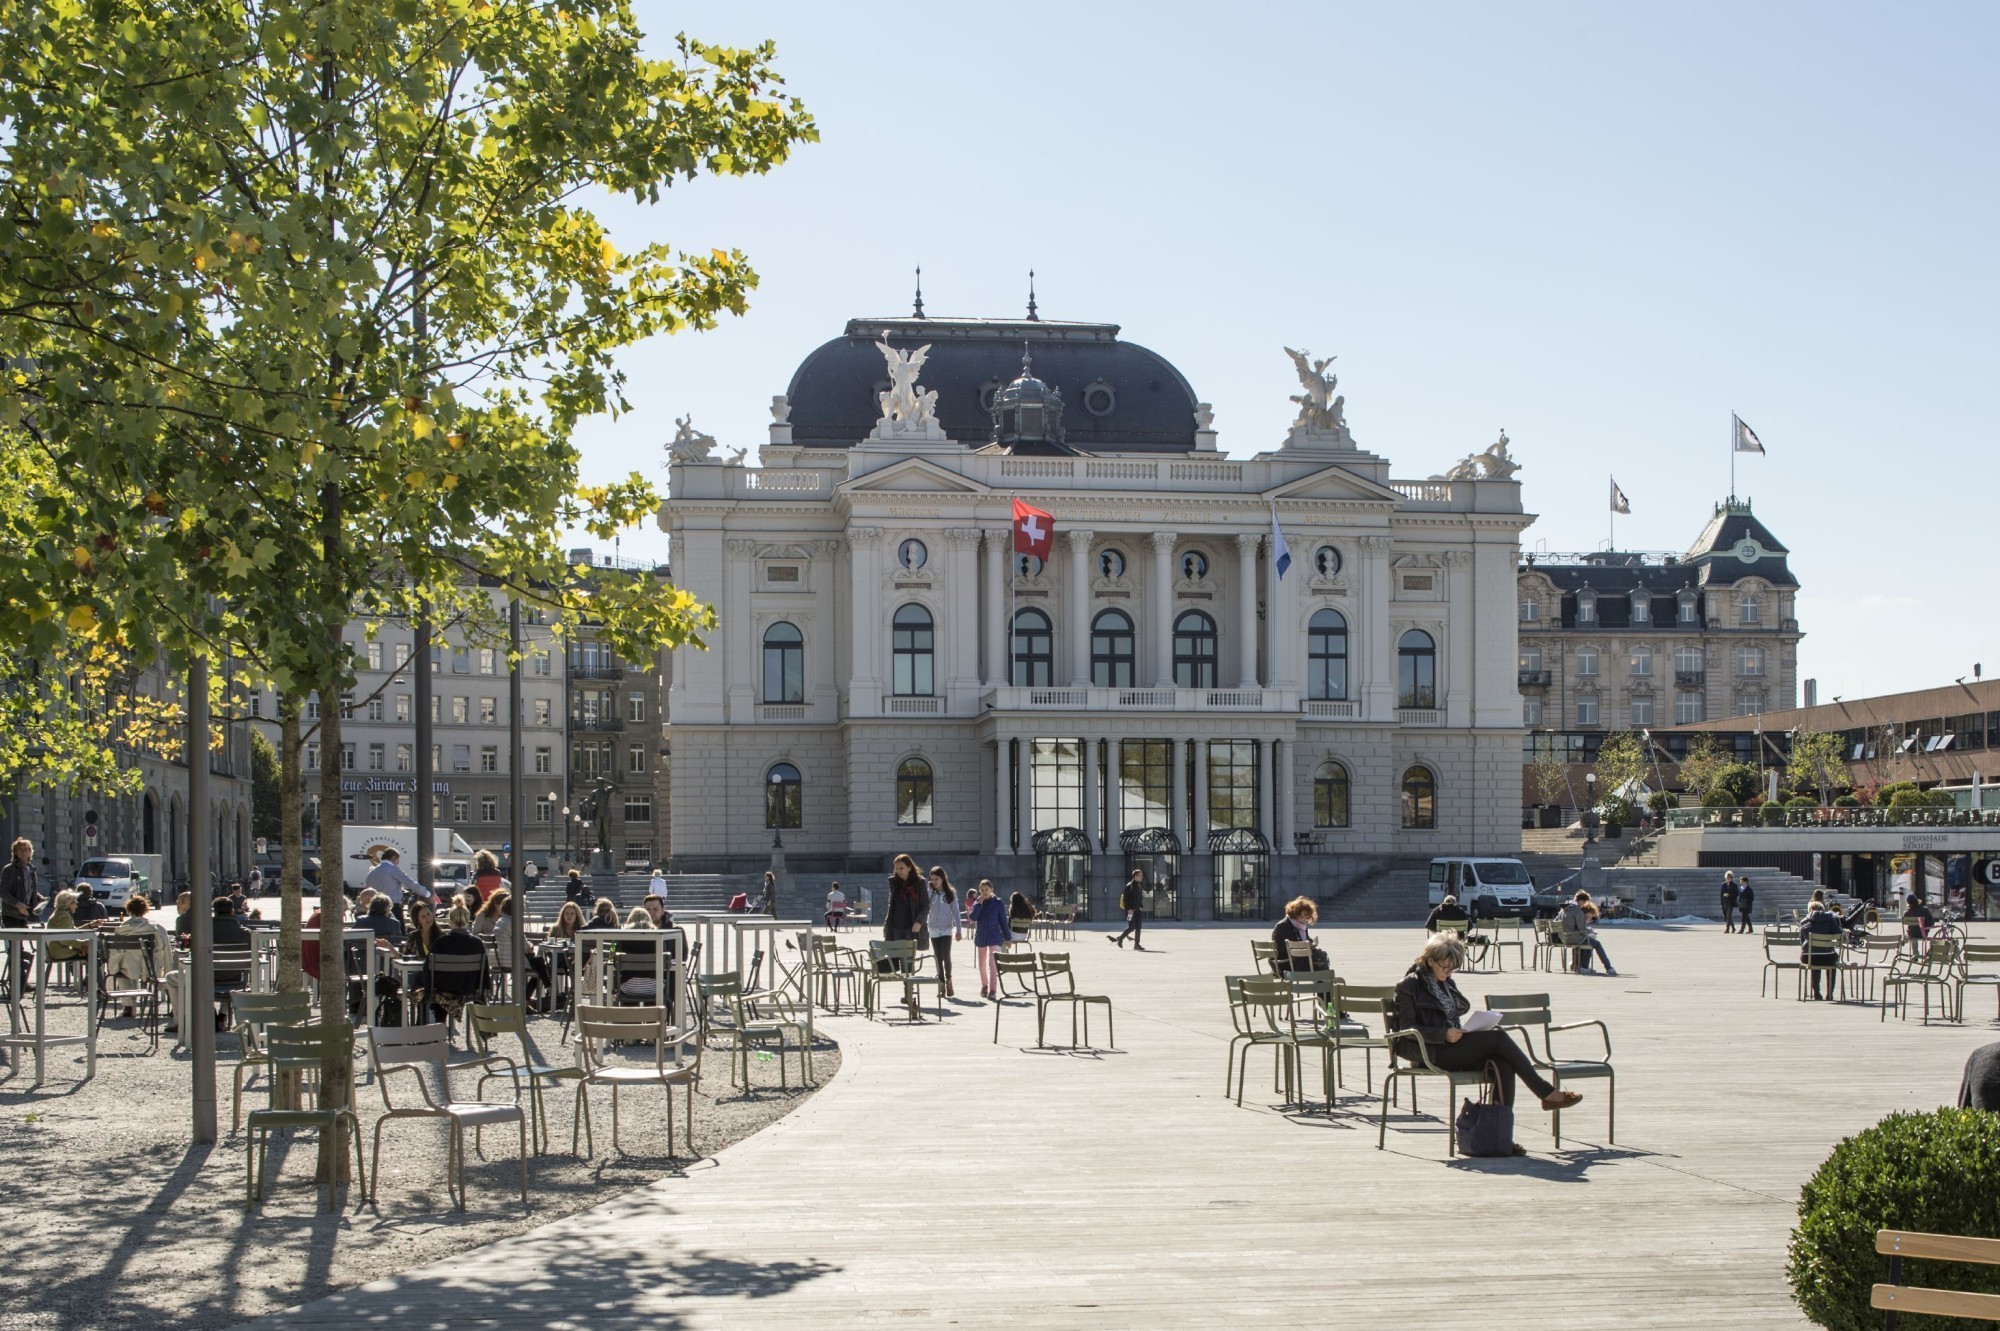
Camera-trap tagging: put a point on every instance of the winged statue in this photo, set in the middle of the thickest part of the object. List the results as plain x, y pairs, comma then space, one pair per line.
1320, 412
905, 406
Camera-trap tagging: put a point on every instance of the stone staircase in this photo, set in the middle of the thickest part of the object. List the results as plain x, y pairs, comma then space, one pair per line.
1672, 892
1394, 893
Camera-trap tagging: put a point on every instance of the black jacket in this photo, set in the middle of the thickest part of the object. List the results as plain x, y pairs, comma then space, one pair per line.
1454, 914
18, 896
1745, 896
1729, 895
1133, 897
1417, 1008
906, 911
1820, 921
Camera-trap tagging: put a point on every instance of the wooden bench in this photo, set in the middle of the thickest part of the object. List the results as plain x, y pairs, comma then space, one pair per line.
1897, 1297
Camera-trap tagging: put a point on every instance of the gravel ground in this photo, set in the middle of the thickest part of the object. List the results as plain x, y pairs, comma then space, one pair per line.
115, 1219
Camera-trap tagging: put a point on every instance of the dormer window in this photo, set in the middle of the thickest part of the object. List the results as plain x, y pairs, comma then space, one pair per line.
1642, 606
1687, 607
1586, 606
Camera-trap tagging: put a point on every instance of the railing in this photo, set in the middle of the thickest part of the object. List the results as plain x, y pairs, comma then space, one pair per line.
1031, 467
781, 711
1205, 471
1419, 716
897, 705
1121, 471
596, 723
597, 671
1831, 816
1534, 679
1327, 709
804, 482
1425, 492
1690, 679
1015, 698
1058, 697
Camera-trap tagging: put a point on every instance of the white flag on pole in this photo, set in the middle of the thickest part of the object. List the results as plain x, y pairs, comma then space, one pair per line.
1619, 503
1746, 438
1281, 554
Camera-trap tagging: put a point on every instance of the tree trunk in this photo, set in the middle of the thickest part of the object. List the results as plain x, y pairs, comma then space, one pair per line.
336, 1078
291, 876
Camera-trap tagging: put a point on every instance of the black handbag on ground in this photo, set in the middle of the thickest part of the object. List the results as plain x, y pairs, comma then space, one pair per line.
1486, 1125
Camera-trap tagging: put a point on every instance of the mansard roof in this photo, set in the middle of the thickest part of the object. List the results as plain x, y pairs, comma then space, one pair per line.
1735, 545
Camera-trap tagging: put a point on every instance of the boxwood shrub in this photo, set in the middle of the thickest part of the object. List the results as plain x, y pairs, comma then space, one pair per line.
1938, 1172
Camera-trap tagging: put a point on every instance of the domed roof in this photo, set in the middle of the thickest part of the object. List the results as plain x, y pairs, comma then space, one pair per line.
1120, 397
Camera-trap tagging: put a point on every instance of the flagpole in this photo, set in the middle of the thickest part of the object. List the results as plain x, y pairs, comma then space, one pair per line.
1732, 457
1611, 523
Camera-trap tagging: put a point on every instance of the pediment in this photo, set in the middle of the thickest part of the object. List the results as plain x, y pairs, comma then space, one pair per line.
1335, 484
913, 476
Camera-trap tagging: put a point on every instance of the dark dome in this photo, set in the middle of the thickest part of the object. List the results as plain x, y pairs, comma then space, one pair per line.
1118, 396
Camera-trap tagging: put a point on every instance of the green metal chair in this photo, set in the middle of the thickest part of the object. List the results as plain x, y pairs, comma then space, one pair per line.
898, 962
1355, 1004
394, 1049
301, 1049
599, 1029
1055, 983
1529, 1013
487, 1022
1410, 1059
1020, 966
1505, 932
254, 1013
1985, 956
1268, 1003
1935, 966
1781, 955
759, 1018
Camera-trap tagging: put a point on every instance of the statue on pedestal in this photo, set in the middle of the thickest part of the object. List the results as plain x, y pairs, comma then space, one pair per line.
906, 408
689, 444
1495, 463
1320, 411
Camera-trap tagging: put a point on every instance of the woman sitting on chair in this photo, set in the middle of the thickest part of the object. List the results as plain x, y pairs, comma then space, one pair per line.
1300, 914
1429, 1007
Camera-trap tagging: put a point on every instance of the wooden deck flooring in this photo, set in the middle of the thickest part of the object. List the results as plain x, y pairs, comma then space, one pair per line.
946, 1180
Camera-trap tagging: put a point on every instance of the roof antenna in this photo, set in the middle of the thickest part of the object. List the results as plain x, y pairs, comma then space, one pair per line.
918, 312
1032, 316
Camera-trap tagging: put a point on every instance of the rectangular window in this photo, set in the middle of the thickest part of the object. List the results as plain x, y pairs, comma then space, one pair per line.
312, 708
376, 809
257, 704
378, 757
312, 757
374, 656
1531, 612
1531, 711
1232, 783
489, 661
461, 661
403, 809
405, 758
1145, 781
544, 760
545, 810
635, 758
489, 808
1057, 783
489, 711
347, 707
1687, 709
489, 758
374, 709
542, 712
347, 757
461, 710
461, 808
638, 808
1750, 661
461, 757
635, 707
1749, 704
1586, 711
437, 757
1642, 712
1642, 663
437, 661
1531, 661
1586, 661
1687, 609
542, 662
403, 707
347, 808
1688, 661
1748, 607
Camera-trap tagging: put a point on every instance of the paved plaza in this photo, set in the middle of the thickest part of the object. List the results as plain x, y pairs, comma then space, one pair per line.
945, 1179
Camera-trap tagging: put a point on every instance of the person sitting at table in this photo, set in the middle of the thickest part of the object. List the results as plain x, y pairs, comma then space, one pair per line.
227, 932
506, 930
836, 906
128, 969
386, 926
486, 921
569, 919
183, 926
1429, 1008
450, 991
63, 916
656, 910
1300, 914
486, 879
88, 910
1020, 913
1448, 912
419, 940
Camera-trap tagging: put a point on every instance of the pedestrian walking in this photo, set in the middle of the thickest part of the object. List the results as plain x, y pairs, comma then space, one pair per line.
941, 921
768, 903
1729, 901
1132, 900
904, 918
1746, 897
989, 935
658, 887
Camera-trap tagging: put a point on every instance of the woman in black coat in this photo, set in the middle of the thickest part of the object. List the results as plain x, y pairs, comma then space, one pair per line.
907, 901
1428, 1002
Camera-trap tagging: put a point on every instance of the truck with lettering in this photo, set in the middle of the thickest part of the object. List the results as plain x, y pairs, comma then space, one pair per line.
362, 846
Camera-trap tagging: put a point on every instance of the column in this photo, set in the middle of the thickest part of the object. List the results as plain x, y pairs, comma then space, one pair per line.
1162, 589
1455, 680
1200, 828
1001, 776
1287, 793
1268, 788
1024, 800
1246, 611
1079, 606
865, 630
997, 549
1375, 662
1089, 747
1177, 815
1112, 794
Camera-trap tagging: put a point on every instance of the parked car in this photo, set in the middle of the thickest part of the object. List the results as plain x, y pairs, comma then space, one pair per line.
113, 878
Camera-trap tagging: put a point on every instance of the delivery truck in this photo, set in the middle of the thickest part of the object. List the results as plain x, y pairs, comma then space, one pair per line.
362, 846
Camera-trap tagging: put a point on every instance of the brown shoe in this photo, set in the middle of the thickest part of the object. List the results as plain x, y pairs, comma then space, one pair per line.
1560, 1100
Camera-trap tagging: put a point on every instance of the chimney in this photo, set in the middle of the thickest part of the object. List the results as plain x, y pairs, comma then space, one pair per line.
1812, 693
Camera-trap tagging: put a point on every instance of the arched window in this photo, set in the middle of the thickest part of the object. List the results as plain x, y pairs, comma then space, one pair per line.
784, 805
1034, 649
784, 663
1416, 670
1326, 655
1419, 799
1194, 651
913, 793
911, 647
1330, 795
1112, 660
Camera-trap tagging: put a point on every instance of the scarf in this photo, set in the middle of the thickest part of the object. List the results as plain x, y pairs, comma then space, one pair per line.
1444, 996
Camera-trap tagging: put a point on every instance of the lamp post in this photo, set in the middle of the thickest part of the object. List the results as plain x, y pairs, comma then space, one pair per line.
1587, 870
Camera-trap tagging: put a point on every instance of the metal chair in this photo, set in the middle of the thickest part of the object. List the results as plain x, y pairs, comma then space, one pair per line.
302, 1049
760, 1017
1528, 1013
601, 1028
1410, 1059
254, 1014
486, 1022
1781, 954
898, 962
1935, 967
407, 1049
1505, 932
1054, 967
1021, 966
1985, 955
115, 988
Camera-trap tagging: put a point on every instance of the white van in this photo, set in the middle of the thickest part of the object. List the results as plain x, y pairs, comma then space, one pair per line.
113, 878
1470, 877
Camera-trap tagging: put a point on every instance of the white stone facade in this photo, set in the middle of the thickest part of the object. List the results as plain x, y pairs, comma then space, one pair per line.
815, 539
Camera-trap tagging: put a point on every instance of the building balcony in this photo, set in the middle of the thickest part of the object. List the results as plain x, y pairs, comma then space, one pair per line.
1420, 716
1534, 679
1091, 699
1330, 709
1690, 679
587, 724
598, 671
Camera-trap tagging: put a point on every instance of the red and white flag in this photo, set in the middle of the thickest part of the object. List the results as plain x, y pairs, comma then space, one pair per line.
1034, 531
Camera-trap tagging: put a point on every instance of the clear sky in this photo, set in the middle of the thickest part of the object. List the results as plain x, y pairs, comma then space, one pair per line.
1602, 227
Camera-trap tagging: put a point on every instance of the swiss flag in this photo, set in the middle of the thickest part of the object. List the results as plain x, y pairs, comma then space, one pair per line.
1034, 531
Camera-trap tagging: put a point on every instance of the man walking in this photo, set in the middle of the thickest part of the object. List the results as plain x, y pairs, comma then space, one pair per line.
1746, 896
1729, 901
1133, 902
389, 880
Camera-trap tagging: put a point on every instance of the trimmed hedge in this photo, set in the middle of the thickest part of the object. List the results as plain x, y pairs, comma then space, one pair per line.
1936, 1172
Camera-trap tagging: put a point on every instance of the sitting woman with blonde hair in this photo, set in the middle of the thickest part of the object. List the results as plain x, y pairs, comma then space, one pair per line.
1430, 1008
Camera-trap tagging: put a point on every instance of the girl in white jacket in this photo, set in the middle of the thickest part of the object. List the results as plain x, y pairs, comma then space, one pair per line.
941, 922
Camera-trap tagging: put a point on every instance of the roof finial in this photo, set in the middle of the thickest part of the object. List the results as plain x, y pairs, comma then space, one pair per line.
1027, 360
918, 311
1032, 316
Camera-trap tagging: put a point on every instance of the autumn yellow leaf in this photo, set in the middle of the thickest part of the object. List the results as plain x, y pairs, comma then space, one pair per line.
83, 619
449, 482
307, 452
79, 556
422, 426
